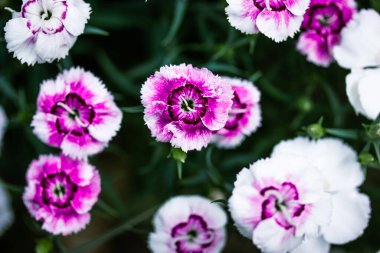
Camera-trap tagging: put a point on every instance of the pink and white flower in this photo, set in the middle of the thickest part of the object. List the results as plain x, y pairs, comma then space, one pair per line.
6, 214
363, 89
76, 113
360, 47
188, 224
322, 25
279, 201
60, 192
341, 177
276, 19
45, 30
244, 117
184, 105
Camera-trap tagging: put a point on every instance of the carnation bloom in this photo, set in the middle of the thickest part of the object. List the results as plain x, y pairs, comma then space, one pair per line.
60, 192
187, 224
184, 105
6, 214
245, 114
323, 23
341, 176
279, 201
76, 113
360, 45
277, 19
363, 89
45, 30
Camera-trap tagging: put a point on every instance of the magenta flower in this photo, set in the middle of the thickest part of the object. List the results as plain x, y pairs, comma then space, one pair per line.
244, 117
60, 192
76, 113
323, 24
276, 19
184, 105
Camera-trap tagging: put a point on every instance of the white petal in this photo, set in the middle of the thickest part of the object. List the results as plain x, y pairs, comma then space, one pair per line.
352, 83
297, 7
369, 90
351, 212
313, 245
76, 17
272, 238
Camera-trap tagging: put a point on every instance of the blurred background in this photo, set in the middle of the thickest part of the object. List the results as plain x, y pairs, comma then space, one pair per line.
125, 42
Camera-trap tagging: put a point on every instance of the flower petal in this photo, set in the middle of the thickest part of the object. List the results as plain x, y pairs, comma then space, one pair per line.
313, 245
297, 7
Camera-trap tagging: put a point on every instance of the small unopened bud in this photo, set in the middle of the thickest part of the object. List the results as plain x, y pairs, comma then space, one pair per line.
315, 131
304, 104
178, 155
374, 131
366, 158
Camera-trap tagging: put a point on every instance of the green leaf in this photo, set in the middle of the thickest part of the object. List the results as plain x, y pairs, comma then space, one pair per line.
220, 201
95, 31
133, 109
179, 169
343, 133
179, 13
44, 246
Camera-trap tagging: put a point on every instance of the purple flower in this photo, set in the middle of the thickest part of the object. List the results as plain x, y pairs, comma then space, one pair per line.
184, 105
245, 114
323, 23
76, 113
276, 19
60, 192
188, 224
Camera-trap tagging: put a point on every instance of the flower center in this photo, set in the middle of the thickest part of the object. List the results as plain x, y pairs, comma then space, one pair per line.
270, 5
282, 204
58, 190
46, 15
192, 235
236, 113
187, 104
325, 19
73, 115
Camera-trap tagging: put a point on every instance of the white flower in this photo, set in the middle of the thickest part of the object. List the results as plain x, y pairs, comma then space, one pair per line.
3, 124
279, 201
45, 30
341, 175
360, 44
363, 90
6, 215
188, 224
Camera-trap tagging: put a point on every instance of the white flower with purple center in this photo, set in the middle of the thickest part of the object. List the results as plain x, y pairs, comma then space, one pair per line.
184, 105
244, 116
60, 192
341, 177
276, 19
278, 202
360, 47
6, 214
187, 224
76, 113
322, 25
45, 30
363, 89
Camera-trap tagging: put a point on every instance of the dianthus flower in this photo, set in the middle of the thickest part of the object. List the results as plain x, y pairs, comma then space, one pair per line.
278, 202
76, 113
187, 224
60, 192
276, 19
322, 25
45, 30
6, 214
184, 105
341, 177
245, 114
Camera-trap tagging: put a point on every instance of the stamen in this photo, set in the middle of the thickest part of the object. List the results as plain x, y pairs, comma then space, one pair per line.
286, 214
188, 108
67, 108
72, 112
267, 4
9, 9
210, 236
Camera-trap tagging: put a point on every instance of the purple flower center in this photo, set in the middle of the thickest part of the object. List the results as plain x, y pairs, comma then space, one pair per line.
236, 113
192, 236
325, 19
74, 115
58, 190
271, 5
282, 204
187, 104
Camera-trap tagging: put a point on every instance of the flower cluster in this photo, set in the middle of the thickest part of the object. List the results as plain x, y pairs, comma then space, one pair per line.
185, 106
188, 224
322, 25
295, 200
360, 51
277, 19
45, 30
61, 192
